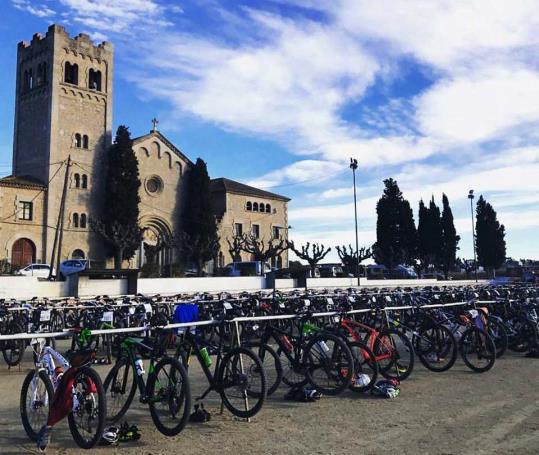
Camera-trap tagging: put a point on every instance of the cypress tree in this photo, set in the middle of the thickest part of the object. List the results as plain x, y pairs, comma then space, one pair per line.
490, 237
450, 239
422, 237
120, 226
435, 237
200, 228
408, 234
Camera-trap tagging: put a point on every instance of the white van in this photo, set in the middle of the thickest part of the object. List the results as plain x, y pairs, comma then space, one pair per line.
247, 268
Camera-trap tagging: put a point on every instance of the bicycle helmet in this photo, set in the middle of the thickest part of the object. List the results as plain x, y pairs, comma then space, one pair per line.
110, 436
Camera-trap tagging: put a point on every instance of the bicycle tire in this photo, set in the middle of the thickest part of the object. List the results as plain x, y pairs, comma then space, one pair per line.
498, 333
471, 338
230, 377
100, 406
433, 345
383, 343
112, 390
271, 363
363, 359
13, 350
31, 430
340, 373
184, 399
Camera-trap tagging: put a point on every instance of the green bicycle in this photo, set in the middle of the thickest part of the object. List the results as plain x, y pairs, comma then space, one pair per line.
166, 392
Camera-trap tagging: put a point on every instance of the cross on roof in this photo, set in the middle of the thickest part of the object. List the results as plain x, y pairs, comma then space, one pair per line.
155, 122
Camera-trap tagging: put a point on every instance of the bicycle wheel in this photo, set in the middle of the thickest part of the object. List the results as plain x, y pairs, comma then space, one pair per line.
87, 419
294, 371
524, 334
330, 365
169, 396
120, 389
36, 395
395, 354
242, 382
477, 350
13, 350
272, 365
436, 348
497, 332
365, 367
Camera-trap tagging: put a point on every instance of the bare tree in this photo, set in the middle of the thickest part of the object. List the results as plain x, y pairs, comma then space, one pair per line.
235, 247
261, 250
198, 246
319, 252
349, 258
120, 236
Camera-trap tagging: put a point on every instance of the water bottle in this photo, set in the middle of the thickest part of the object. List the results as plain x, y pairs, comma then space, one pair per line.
139, 365
322, 347
205, 356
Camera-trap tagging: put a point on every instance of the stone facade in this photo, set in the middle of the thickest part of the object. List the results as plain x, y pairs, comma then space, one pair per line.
238, 211
63, 128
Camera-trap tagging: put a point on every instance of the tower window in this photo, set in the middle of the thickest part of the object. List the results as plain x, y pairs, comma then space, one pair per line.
84, 181
238, 229
26, 211
94, 80
78, 140
30, 79
76, 177
83, 220
249, 206
76, 220
85, 141
71, 73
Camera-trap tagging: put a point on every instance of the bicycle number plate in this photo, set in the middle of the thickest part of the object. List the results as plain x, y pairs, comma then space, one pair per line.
281, 304
45, 316
107, 316
227, 306
307, 302
330, 301
148, 308
388, 298
335, 319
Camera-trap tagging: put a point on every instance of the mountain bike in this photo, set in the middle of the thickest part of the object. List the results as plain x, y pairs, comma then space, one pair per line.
166, 391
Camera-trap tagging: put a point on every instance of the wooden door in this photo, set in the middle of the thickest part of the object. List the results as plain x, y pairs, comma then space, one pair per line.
23, 253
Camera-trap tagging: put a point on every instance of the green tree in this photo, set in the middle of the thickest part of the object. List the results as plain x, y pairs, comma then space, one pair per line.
450, 239
490, 237
396, 236
199, 237
429, 232
119, 226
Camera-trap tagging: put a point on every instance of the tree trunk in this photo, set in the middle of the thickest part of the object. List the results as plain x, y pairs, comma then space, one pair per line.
118, 258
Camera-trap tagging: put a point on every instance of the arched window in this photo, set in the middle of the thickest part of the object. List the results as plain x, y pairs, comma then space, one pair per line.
30, 79
76, 178
84, 181
85, 141
78, 140
268, 208
249, 206
71, 73
76, 220
255, 207
77, 254
94, 80
83, 220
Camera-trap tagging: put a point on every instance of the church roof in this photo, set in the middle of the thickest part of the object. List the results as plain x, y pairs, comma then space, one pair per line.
21, 182
162, 138
231, 186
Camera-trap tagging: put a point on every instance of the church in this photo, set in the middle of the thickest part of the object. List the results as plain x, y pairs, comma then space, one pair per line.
62, 131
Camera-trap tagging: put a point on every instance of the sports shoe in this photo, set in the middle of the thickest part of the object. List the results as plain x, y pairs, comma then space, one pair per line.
44, 438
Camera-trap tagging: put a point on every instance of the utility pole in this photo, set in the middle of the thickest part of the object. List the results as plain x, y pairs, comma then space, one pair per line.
58, 236
353, 166
471, 197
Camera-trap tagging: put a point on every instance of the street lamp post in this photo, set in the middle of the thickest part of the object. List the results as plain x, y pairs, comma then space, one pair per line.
471, 197
353, 166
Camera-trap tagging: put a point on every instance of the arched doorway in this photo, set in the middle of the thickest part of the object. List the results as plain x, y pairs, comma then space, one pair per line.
156, 246
23, 253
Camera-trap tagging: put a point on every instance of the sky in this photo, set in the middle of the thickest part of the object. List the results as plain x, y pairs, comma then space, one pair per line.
442, 96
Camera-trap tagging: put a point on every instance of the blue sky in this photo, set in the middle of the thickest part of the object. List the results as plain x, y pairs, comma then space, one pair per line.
442, 96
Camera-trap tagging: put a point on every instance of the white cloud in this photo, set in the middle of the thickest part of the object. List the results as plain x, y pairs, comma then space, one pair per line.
37, 10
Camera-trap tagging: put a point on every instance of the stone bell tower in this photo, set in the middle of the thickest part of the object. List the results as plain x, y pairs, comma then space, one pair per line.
63, 108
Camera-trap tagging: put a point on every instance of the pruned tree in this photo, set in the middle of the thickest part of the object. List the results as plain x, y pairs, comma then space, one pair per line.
119, 236
313, 257
119, 226
261, 250
467, 265
235, 247
198, 246
349, 258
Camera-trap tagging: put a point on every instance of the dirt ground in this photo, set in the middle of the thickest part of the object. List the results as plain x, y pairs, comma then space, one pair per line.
457, 412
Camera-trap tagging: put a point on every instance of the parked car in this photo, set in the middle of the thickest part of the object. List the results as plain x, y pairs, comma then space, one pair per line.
330, 271
247, 268
72, 266
39, 270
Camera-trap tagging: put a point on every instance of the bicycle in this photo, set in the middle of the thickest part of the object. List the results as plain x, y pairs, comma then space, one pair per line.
166, 392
